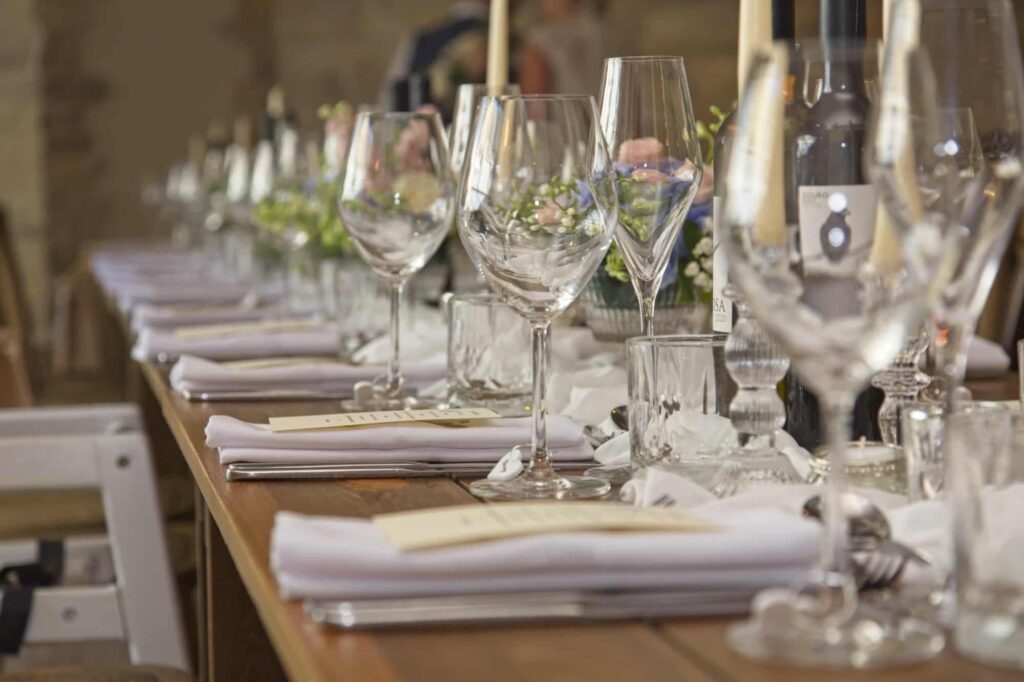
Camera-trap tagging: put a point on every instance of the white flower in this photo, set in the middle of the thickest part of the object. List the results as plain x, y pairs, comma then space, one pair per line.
703, 281
706, 264
691, 270
705, 245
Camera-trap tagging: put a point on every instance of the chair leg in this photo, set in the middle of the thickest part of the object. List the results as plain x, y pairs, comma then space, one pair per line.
144, 575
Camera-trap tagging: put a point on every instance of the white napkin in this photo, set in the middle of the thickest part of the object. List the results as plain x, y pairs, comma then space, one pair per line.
162, 344
198, 374
587, 395
240, 441
168, 316
321, 557
986, 359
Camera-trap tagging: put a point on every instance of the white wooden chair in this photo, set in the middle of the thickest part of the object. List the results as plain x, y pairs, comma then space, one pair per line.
111, 454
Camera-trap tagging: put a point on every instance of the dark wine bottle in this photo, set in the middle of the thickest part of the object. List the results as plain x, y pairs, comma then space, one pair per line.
753, 35
835, 205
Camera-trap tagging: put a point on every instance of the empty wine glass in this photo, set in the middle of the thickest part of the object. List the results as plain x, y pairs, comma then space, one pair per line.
967, 173
841, 310
536, 213
396, 201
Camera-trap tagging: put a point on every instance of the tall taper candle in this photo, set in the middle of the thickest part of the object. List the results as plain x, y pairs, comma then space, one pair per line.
886, 254
497, 48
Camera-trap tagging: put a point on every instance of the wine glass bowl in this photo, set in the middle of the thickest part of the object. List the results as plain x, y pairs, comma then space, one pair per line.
536, 211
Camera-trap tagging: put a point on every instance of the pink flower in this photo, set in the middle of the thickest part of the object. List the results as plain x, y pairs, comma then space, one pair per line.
549, 214
650, 175
640, 151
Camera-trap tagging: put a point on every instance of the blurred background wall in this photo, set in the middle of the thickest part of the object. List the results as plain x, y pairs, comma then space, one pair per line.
97, 95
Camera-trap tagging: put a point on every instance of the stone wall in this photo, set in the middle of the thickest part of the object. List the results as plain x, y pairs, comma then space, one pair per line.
22, 154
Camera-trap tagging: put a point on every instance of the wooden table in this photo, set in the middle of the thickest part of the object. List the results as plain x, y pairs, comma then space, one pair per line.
241, 610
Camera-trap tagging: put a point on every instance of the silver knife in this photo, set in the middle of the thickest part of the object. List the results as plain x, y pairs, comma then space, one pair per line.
265, 394
257, 471
529, 606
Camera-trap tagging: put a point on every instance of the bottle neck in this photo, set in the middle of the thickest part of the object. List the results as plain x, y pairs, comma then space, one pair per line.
843, 35
783, 20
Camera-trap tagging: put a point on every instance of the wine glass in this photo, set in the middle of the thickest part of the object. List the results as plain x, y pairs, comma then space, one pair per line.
839, 307
970, 176
396, 201
537, 209
648, 123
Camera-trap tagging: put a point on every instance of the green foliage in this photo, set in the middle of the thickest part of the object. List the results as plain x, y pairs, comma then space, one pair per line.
706, 132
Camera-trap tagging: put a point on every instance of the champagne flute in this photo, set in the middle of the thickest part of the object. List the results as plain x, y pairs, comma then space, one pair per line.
647, 121
396, 201
970, 176
841, 308
536, 213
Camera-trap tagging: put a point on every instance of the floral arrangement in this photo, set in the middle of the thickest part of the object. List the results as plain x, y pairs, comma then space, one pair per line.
649, 183
311, 208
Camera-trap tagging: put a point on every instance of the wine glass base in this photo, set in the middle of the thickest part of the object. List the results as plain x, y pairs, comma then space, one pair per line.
614, 474
786, 628
530, 487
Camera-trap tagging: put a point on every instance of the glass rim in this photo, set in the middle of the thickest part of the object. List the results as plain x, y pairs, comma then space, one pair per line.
574, 97
678, 340
409, 115
646, 58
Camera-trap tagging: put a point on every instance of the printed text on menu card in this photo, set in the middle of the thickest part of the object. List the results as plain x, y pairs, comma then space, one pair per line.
350, 419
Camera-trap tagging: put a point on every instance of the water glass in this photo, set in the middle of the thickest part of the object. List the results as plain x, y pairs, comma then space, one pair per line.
986, 492
488, 354
679, 395
924, 427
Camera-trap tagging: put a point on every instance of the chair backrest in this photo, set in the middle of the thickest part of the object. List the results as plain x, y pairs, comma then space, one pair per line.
141, 607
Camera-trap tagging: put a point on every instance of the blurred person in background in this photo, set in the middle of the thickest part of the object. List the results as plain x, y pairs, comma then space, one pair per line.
563, 52
445, 55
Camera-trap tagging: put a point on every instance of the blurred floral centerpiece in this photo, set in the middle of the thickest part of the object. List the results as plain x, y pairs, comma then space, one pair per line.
302, 213
646, 184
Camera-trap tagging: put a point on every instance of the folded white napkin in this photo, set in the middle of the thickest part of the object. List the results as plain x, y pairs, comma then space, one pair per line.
986, 359
198, 374
240, 441
588, 394
168, 316
321, 557
164, 344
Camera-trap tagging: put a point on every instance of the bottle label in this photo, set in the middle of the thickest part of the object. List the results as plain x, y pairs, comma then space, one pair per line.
837, 228
721, 305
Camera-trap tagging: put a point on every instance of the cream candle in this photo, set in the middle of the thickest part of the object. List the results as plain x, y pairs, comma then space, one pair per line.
497, 48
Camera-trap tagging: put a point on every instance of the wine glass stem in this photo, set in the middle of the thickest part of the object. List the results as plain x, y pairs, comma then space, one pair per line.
837, 430
541, 459
646, 292
953, 359
394, 370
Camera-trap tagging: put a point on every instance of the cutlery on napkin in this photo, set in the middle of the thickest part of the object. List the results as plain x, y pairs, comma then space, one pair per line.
321, 557
240, 441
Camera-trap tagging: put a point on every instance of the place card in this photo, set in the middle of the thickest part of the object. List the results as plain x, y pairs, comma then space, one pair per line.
212, 331
351, 419
429, 528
